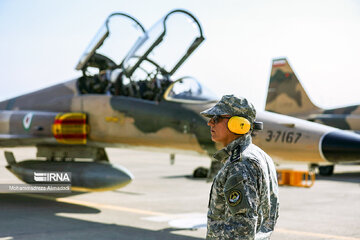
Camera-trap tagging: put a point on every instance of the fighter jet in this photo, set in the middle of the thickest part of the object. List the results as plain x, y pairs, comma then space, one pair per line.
287, 96
134, 102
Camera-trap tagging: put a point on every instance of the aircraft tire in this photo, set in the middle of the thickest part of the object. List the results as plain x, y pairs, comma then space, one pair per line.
326, 170
200, 172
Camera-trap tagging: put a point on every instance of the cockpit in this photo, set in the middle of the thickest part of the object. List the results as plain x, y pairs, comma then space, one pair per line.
146, 70
188, 89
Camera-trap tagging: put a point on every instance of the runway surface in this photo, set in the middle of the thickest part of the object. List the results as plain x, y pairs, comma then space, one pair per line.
165, 202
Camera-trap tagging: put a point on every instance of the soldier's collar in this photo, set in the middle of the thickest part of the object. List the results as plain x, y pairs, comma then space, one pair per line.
233, 149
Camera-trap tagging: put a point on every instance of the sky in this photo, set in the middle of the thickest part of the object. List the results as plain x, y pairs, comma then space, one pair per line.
41, 42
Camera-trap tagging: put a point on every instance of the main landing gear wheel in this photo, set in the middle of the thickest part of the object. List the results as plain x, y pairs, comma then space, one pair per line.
200, 172
326, 170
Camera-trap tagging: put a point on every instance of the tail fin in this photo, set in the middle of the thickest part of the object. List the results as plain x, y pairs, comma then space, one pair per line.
285, 93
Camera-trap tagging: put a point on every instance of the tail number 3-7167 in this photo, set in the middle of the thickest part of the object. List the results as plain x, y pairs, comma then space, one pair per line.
283, 136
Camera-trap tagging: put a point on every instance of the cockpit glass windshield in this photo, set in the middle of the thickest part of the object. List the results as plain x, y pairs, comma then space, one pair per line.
112, 40
123, 33
189, 89
176, 32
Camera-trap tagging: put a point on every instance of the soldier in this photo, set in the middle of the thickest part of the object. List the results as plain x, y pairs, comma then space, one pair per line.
243, 200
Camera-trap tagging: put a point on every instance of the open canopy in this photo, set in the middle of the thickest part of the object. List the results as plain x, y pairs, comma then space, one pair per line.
145, 70
168, 43
124, 30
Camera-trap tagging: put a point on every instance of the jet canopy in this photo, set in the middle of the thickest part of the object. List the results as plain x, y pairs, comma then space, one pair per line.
168, 43
187, 90
104, 56
146, 69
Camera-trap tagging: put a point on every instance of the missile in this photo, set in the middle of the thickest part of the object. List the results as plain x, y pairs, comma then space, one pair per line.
85, 176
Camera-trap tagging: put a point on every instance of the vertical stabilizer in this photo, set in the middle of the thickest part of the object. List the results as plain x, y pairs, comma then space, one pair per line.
285, 93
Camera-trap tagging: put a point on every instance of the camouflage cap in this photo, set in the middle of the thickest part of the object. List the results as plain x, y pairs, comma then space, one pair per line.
233, 106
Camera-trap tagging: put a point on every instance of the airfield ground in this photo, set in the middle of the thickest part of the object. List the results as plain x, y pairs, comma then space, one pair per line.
165, 202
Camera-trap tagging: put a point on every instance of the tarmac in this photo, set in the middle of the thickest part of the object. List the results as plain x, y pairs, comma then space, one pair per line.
165, 202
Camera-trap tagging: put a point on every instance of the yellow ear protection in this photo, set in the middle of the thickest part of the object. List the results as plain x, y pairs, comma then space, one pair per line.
239, 125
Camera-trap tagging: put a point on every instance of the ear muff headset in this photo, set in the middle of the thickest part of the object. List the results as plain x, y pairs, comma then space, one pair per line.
239, 125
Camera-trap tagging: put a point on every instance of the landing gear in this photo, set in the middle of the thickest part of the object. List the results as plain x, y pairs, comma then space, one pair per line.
200, 172
323, 170
326, 170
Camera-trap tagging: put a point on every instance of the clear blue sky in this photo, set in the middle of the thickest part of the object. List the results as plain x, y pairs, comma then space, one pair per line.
41, 42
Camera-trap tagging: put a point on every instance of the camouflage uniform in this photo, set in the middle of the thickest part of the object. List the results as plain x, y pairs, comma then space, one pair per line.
243, 200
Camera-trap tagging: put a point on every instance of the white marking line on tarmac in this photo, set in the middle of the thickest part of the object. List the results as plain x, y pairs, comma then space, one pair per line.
146, 212
311, 234
6, 238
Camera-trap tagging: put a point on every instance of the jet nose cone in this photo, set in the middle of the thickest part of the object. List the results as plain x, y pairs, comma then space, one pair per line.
341, 146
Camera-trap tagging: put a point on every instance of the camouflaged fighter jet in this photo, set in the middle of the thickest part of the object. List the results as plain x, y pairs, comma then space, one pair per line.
287, 96
136, 103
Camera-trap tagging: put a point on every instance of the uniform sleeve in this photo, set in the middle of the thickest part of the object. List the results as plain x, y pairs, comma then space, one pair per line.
241, 202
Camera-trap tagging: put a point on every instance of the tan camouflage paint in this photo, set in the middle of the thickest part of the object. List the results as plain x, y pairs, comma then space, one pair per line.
113, 128
287, 96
